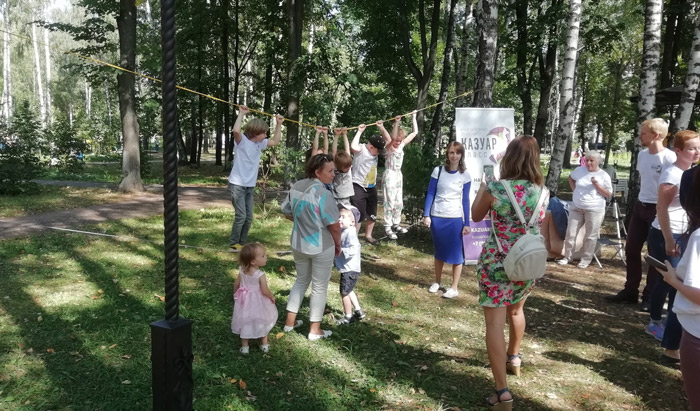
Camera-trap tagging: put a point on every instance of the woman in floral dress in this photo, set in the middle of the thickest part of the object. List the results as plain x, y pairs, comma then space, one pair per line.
500, 297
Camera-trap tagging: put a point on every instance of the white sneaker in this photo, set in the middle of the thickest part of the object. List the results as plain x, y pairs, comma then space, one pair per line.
563, 261
244, 350
297, 324
434, 288
314, 337
399, 230
583, 264
265, 348
390, 234
450, 293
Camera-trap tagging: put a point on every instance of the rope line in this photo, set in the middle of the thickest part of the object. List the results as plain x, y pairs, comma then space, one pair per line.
214, 98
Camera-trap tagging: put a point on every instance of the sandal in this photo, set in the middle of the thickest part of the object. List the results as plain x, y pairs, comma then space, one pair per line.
371, 240
513, 367
501, 405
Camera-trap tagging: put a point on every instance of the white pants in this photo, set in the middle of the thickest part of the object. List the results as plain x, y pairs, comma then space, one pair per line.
316, 270
590, 220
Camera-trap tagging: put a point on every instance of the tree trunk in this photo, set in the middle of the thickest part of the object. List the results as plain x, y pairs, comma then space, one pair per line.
523, 67
692, 78
647, 88
547, 67
672, 40
487, 26
47, 58
6, 64
225, 81
38, 77
236, 71
295, 20
131, 162
193, 133
567, 102
445, 83
461, 63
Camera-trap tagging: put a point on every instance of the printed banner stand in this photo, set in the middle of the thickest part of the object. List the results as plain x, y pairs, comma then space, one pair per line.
485, 134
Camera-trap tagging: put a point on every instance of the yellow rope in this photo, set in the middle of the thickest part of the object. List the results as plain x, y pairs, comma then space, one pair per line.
104, 63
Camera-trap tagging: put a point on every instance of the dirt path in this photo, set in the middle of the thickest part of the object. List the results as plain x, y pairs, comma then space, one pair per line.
145, 204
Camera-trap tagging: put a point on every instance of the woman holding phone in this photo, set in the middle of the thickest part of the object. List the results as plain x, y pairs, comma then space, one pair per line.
591, 186
685, 278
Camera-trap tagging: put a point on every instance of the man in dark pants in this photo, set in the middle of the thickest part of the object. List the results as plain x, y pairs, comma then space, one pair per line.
650, 162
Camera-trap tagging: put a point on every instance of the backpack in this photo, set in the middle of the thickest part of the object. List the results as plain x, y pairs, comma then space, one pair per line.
527, 258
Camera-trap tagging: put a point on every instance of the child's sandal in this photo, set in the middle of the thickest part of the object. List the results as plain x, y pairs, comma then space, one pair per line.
513, 364
499, 404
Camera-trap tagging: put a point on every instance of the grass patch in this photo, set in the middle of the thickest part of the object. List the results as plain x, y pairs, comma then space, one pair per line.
53, 198
75, 314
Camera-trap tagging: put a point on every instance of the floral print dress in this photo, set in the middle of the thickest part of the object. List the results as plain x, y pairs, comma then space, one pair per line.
495, 290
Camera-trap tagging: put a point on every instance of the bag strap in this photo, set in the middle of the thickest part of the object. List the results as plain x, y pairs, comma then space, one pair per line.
438, 181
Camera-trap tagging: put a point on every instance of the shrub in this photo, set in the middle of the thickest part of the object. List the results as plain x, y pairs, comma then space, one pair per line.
20, 147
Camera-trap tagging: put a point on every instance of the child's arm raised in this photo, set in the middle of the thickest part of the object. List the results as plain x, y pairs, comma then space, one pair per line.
278, 131
395, 128
336, 136
355, 146
414, 133
325, 140
314, 144
237, 135
385, 134
265, 289
345, 140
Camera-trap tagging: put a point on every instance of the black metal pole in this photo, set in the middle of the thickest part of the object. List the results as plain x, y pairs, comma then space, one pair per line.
171, 338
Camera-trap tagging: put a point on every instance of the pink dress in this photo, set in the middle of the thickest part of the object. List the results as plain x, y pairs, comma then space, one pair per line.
254, 315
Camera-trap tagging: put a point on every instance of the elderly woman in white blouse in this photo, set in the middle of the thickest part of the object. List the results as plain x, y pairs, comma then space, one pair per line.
591, 187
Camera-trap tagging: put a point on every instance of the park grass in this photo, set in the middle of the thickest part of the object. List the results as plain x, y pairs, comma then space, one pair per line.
52, 198
75, 309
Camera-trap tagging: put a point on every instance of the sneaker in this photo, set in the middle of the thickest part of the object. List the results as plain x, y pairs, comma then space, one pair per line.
669, 361
583, 264
235, 248
399, 230
297, 324
344, 320
314, 337
645, 305
434, 288
563, 261
390, 234
244, 350
655, 329
623, 297
359, 314
450, 293
265, 348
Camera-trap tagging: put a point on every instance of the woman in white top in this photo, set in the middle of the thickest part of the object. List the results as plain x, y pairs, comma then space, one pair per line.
446, 212
591, 186
686, 279
663, 243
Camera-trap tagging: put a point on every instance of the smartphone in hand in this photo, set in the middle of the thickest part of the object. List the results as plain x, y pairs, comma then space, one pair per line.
489, 174
655, 263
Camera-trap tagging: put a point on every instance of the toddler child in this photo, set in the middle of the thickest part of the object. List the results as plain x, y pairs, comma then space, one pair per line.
392, 181
254, 310
342, 182
248, 149
348, 263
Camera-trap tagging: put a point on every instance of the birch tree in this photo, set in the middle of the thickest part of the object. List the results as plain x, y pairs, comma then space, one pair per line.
38, 76
436, 127
647, 87
47, 59
6, 63
567, 102
692, 78
461, 60
487, 26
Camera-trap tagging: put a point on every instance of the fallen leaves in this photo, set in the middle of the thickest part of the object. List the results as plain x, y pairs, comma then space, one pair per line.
161, 298
242, 384
279, 335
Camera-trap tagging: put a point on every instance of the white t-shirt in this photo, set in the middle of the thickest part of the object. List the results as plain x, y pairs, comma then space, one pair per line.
364, 168
650, 167
688, 270
246, 162
448, 194
586, 197
677, 215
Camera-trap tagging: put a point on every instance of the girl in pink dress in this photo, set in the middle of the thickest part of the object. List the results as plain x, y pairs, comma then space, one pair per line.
254, 310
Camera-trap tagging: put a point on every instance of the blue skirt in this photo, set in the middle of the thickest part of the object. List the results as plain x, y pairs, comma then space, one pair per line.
447, 239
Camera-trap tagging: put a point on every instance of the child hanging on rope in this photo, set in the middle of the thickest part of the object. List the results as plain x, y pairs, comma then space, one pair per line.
364, 179
342, 182
248, 149
314, 145
392, 181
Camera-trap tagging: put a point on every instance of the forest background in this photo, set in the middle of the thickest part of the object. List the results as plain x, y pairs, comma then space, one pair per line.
577, 73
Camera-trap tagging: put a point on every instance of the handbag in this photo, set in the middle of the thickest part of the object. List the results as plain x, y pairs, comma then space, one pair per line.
527, 258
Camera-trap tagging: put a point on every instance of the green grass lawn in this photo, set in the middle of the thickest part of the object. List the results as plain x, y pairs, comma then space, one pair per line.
52, 198
75, 313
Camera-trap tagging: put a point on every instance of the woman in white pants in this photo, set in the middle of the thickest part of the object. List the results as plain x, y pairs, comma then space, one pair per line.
315, 241
591, 186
